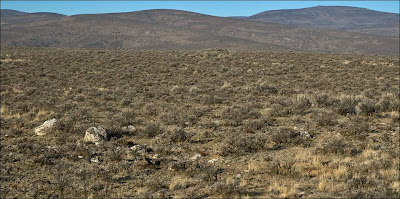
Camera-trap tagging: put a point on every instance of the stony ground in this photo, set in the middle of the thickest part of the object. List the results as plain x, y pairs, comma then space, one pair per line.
210, 123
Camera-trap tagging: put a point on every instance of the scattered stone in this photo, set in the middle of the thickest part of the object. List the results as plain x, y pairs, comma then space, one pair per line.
94, 160
226, 85
95, 135
128, 129
45, 127
212, 161
249, 70
196, 156
80, 157
302, 132
155, 156
301, 194
305, 133
194, 89
138, 149
238, 176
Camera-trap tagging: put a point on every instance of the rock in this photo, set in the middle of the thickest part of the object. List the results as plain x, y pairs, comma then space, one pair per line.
212, 161
94, 160
138, 149
196, 156
305, 133
45, 127
128, 129
95, 135
302, 132
226, 85
238, 176
194, 89
155, 156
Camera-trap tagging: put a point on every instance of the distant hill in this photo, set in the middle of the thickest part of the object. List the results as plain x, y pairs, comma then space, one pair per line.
181, 30
10, 13
343, 18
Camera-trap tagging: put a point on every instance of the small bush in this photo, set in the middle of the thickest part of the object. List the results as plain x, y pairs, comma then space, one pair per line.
356, 126
277, 110
365, 107
325, 119
323, 100
388, 102
338, 146
259, 124
152, 130
243, 144
178, 135
236, 115
283, 136
301, 104
347, 105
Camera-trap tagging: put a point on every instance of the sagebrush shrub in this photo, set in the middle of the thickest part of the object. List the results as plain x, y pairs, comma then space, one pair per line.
152, 130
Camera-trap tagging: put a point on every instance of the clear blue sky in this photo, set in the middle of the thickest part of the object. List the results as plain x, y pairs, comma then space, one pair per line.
216, 8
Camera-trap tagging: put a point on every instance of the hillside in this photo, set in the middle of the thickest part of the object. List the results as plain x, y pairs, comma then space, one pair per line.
343, 18
181, 30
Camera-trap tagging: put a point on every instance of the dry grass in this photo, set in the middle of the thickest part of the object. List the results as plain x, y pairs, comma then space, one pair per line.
265, 124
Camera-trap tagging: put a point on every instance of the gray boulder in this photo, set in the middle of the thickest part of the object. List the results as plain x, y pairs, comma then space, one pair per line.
95, 135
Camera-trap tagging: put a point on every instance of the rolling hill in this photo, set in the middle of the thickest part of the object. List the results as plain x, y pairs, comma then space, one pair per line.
180, 30
343, 18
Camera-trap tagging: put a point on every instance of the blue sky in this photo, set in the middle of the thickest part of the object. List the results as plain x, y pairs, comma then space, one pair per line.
216, 8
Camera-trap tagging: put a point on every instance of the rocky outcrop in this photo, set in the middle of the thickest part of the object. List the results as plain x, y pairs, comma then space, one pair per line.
45, 127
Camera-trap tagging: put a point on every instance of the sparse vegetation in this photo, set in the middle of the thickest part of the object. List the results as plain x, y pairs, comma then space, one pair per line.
212, 123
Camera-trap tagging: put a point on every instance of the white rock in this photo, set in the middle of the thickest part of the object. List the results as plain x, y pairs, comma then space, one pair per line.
95, 135
212, 161
45, 127
194, 89
95, 160
129, 129
305, 133
196, 156
238, 176
138, 149
80, 157
226, 85
156, 156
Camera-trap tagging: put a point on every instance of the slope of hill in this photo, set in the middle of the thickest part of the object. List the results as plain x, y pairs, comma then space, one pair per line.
11, 13
174, 29
342, 18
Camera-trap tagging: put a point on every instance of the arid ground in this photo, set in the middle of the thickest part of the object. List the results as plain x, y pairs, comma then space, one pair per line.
211, 123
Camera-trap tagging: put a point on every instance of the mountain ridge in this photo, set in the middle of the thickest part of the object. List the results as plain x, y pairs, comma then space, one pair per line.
342, 18
177, 29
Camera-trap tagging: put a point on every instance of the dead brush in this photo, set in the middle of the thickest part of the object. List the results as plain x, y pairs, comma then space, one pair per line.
301, 103
243, 144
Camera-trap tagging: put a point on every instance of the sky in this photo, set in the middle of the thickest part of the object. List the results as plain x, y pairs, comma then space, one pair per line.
216, 8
